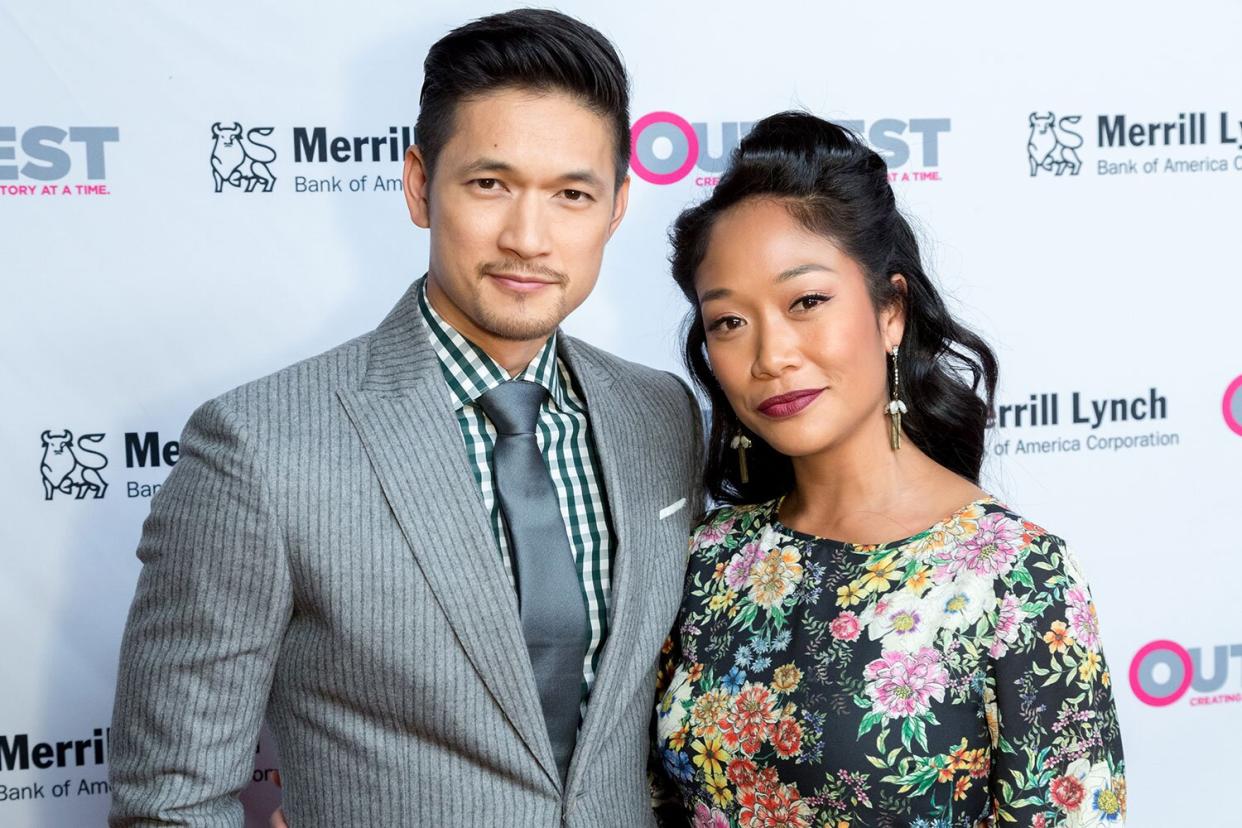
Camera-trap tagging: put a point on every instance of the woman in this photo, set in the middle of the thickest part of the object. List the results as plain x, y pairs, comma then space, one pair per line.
866, 637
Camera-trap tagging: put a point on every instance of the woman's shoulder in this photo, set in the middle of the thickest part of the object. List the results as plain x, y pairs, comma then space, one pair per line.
729, 526
995, 539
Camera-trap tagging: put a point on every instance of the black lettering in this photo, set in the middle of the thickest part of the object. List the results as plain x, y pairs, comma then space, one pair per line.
1078, 418
1158, 408
1225, 137
142, 453
1112, 134
41, 756
340, 149
1117, 410
92, 788
15, 755
313, 149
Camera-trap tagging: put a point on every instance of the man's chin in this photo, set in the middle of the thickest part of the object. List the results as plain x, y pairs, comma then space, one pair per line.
518, 326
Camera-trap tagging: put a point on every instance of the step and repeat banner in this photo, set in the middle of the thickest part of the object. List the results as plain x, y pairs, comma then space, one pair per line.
192, 196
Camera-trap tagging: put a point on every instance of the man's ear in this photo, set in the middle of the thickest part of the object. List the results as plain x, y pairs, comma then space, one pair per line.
417, 183
619, 205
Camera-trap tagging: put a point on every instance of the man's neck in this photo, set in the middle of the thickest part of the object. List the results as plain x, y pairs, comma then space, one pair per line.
511, 355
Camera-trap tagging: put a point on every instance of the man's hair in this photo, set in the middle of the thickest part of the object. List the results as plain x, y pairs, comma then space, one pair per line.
532, 49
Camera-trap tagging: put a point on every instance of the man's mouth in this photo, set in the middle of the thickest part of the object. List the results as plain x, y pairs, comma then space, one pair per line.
519, 282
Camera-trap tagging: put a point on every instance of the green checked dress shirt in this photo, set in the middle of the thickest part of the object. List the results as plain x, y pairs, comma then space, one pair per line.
564, 437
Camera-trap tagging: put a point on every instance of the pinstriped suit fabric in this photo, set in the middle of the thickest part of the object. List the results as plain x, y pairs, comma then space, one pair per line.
321, 555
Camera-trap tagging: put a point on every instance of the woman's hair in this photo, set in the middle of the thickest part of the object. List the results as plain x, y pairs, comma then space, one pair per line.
837, 187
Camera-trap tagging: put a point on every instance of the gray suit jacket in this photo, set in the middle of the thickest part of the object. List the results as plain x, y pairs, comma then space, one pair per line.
321, 555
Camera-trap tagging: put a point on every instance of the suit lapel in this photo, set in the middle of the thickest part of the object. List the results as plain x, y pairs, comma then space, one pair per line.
411, 436
612, 414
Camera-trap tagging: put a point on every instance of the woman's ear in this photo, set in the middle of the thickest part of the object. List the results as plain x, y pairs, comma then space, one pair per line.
893, 315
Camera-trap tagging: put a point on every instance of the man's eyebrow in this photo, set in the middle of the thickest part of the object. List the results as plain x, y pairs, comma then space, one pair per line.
583, 177
486, 165
788, 273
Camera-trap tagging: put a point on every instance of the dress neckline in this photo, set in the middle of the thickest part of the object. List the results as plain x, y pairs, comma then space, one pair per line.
776, 523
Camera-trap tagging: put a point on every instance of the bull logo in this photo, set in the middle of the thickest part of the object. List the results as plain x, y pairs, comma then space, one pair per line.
71, 469
1052, 144
240, 160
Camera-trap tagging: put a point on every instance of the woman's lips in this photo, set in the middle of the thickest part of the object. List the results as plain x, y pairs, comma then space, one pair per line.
786, 405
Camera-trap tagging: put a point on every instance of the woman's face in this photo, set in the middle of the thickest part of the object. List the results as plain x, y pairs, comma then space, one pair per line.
792, 334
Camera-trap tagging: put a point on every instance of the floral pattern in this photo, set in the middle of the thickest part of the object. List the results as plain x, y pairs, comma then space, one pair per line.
954, 678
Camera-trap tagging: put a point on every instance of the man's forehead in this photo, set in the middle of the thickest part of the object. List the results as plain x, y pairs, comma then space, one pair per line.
530, 130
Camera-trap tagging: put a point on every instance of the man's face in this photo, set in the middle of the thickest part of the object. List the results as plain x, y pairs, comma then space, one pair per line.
520, 205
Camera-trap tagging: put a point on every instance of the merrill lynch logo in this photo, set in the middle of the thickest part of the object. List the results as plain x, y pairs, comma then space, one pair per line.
1051, 144
70, 469
241, 160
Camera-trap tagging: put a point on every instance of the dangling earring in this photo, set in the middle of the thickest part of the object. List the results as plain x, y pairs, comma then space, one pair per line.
895, 407
741, 442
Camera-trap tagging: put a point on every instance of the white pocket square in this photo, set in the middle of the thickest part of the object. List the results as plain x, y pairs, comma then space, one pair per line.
672, 508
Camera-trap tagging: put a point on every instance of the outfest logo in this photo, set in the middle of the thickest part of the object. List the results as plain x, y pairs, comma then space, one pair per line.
1163, 671
1231, 406
665, 148
51, 160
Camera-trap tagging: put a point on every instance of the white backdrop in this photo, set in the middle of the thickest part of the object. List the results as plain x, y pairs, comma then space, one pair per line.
132, 291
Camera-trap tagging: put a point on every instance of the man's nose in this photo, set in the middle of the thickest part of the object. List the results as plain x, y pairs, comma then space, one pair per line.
526, 232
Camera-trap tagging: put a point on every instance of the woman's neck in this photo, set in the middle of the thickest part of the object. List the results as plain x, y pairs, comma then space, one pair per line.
862, 490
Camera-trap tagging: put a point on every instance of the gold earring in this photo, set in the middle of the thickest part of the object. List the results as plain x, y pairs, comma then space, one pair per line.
895, 407
741, 442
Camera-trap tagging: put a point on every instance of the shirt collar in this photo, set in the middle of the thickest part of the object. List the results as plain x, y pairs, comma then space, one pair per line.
471, 373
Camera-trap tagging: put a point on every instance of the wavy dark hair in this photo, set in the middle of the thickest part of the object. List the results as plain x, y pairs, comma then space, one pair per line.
837, 187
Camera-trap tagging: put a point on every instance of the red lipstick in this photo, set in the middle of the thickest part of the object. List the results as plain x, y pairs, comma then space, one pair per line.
786, 405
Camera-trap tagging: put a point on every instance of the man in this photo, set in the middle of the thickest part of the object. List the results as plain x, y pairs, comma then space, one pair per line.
442, 557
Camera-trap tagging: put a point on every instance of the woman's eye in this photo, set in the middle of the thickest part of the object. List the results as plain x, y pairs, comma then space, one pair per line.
726, 323
810, 300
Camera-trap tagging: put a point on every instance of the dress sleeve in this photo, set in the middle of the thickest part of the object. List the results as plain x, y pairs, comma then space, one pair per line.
665, 798
1056, 745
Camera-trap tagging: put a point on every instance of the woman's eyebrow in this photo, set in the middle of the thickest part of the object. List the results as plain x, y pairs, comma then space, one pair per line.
788, 273
798, 270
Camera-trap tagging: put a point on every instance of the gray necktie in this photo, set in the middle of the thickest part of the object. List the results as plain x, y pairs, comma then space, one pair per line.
552, 606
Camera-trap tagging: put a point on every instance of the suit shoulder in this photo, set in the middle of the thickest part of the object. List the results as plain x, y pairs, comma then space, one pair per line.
639, 377
285, 401
306, 379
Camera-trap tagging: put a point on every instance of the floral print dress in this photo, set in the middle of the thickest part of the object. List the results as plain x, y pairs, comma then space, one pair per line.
954, 678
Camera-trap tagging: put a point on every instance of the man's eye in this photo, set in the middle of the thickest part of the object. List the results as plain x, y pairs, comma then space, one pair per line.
575, 195
486, 183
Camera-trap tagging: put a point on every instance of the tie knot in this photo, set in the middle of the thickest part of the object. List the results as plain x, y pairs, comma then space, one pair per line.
513, 406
